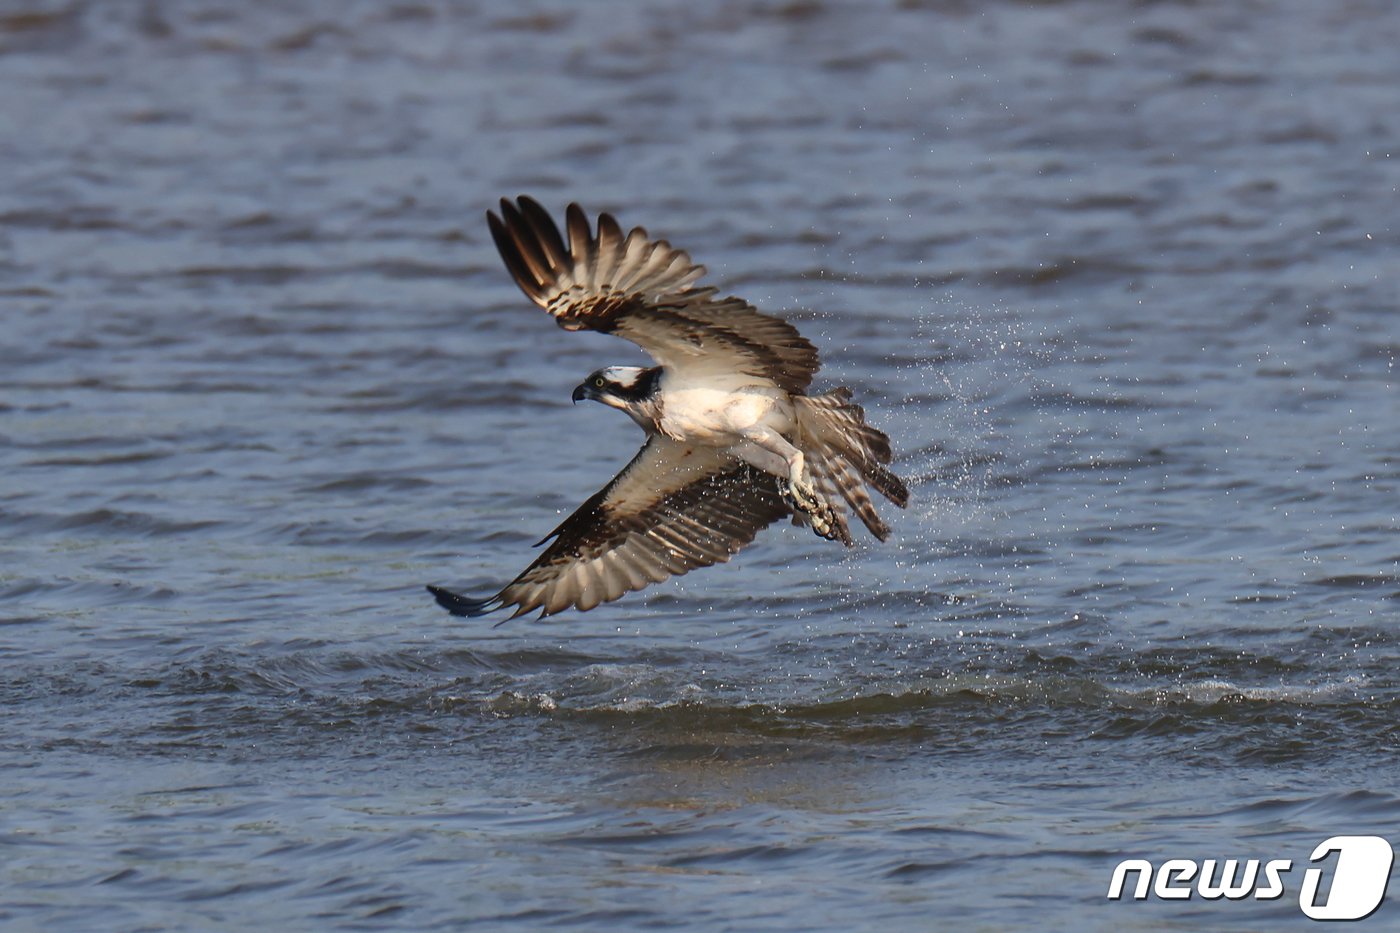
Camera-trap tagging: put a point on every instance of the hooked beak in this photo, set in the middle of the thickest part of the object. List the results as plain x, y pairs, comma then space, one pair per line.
582, 392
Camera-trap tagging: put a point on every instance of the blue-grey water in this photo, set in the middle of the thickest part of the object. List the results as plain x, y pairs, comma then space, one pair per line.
1119, 279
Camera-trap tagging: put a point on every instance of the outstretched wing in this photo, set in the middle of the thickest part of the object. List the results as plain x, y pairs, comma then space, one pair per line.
670, 510
643, 290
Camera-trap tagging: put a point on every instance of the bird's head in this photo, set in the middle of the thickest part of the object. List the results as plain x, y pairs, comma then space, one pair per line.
628, 388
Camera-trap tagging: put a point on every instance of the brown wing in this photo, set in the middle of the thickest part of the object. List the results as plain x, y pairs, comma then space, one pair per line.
670, 510
643, 290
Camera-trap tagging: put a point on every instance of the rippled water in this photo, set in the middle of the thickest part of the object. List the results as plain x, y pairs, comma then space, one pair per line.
1118, 279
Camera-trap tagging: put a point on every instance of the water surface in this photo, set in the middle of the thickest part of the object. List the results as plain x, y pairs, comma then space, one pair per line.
1118, 280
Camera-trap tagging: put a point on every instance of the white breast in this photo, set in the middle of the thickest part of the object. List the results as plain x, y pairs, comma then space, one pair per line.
714, 413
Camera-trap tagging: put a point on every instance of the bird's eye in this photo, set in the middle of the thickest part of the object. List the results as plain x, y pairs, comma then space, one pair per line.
599, 381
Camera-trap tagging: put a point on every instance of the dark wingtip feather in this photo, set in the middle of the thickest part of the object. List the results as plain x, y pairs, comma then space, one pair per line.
556, 254
510, 252
582, 249
577, 221
460, 605
608, 226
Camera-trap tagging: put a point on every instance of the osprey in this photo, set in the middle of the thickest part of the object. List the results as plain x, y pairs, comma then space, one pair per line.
733, 444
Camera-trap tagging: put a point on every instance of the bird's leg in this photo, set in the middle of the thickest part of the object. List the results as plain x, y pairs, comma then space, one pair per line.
772, 453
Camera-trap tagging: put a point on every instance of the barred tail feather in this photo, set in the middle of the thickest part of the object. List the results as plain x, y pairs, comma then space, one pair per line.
825, 472
852, 489
845, 454
886, 483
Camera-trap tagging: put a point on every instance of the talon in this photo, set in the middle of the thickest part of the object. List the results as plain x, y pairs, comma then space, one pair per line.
806, 495
803, 497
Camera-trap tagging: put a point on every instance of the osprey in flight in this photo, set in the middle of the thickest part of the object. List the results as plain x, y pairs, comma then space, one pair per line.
734, 443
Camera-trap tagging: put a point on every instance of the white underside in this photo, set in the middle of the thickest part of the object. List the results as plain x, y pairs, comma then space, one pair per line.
752, 422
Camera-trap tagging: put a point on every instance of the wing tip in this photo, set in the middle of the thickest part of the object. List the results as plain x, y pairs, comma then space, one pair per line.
460, 605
